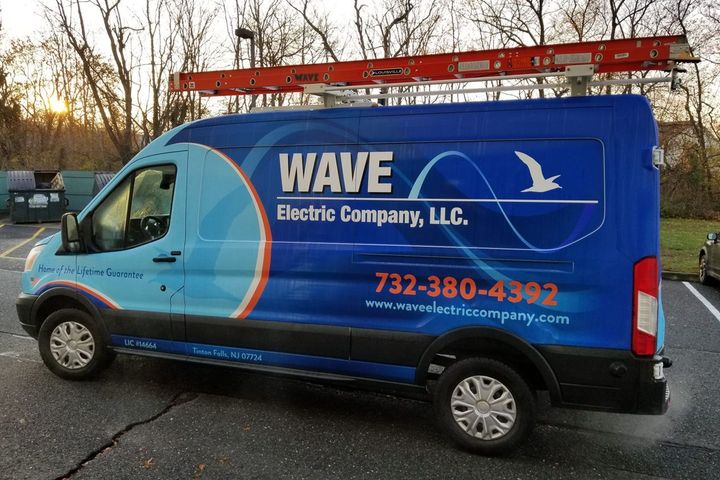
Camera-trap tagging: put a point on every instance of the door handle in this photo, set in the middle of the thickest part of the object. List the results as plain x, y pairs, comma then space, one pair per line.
164, 259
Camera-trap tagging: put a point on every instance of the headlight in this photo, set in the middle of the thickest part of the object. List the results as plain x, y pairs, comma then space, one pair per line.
32, 256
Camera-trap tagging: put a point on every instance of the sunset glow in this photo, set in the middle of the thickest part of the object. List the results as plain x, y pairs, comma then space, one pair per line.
56, 105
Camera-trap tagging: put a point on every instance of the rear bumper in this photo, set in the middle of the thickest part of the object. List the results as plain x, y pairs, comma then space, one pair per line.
608, 380
654, 397
24, 305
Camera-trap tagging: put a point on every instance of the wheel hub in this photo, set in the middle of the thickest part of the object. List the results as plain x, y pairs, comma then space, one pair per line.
72, 345
483, 407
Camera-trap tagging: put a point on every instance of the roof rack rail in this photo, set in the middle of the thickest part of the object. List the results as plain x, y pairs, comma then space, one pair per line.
336, 82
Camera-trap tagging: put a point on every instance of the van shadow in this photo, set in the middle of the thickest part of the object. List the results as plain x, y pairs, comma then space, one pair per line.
407, 422
310, 398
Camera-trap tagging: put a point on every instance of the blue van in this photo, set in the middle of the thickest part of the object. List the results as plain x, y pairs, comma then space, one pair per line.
474, 252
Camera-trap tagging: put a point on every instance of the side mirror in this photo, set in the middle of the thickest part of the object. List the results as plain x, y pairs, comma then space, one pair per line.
70, 232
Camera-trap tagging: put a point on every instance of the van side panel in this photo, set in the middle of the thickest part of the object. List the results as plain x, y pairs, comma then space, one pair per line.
348, 232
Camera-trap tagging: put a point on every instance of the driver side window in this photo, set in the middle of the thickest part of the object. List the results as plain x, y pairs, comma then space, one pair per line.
137, 211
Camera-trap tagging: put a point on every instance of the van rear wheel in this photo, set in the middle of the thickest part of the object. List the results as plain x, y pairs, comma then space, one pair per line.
484, 405
71, 345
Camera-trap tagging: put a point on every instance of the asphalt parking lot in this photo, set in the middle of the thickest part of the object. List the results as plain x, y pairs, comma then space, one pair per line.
147, 418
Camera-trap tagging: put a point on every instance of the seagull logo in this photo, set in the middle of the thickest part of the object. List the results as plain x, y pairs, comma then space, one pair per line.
539, 182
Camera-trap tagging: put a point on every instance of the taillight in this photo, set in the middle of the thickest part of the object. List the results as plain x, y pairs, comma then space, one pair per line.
645, 306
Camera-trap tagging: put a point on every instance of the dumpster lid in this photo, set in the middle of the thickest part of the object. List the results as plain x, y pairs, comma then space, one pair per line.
102, 178
20, 180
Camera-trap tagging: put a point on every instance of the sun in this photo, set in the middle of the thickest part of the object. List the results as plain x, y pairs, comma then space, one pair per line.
56, 105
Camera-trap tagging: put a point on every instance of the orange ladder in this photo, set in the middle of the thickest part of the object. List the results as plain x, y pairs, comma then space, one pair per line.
576, 61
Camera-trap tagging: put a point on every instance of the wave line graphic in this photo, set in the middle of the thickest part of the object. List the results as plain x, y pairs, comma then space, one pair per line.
420, 181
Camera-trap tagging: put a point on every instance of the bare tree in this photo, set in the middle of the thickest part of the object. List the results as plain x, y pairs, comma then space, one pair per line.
515, 23
193, 22
397, 28
321, 26
158, 61
626, 17
696, 106
112, 96
280, 37
584, 19
10, 109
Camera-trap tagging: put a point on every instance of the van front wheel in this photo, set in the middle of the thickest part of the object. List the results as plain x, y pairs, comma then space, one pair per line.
71, 345
484, 405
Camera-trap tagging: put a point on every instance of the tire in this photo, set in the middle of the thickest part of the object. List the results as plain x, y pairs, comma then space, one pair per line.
487, 428
72, 346
703, 275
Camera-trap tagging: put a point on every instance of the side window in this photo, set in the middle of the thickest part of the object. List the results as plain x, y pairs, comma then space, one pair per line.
108, 221
137, 211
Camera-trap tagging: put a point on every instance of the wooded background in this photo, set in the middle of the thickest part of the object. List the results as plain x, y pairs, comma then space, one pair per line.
108, 63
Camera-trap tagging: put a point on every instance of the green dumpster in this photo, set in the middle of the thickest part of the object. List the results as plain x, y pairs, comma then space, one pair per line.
3, 191
35, 196
81, 186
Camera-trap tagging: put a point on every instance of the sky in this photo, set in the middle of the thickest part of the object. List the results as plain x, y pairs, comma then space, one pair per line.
21, 18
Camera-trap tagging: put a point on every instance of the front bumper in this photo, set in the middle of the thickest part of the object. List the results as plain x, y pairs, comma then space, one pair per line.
24, 305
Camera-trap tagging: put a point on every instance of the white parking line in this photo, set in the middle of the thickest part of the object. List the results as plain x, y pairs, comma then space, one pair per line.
23, 337
704, 301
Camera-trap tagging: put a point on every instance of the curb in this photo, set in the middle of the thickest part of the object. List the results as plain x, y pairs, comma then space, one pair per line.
680, 277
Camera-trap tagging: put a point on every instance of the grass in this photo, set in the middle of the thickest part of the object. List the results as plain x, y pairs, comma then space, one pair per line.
681, 240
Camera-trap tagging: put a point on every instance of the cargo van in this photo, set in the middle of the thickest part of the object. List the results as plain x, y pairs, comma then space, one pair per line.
475, 252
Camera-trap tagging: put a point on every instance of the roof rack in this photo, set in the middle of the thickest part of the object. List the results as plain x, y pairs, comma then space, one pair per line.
336, 82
